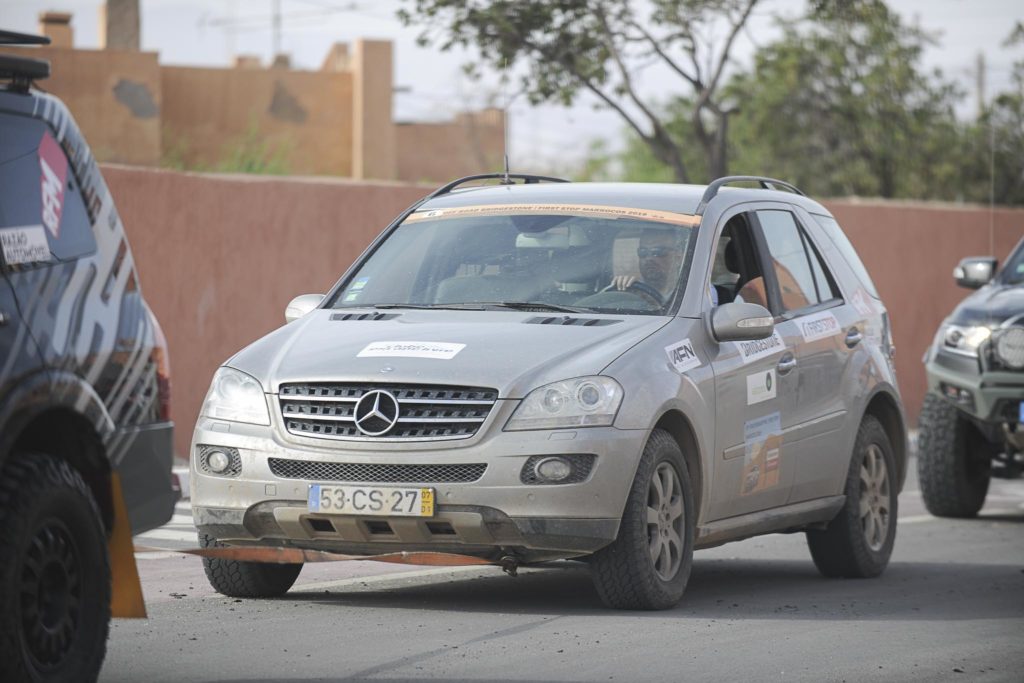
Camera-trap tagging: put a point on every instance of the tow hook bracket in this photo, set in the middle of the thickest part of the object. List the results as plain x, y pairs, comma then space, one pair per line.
509, 565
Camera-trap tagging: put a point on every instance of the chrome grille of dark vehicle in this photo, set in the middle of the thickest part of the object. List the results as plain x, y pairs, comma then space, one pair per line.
370, 473
425, 412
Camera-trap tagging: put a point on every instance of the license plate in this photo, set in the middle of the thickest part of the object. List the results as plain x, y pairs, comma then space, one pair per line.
371, 500
1022, 412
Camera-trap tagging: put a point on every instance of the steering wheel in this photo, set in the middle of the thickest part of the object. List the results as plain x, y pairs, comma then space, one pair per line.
641, 288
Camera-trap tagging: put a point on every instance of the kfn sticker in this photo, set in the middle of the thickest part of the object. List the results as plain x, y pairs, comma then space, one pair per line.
411, 349
24, 245
818, 326
682, 356
761, 387
53, 167
760, 348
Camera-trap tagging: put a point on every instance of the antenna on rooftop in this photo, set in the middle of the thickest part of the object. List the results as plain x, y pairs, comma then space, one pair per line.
504, 119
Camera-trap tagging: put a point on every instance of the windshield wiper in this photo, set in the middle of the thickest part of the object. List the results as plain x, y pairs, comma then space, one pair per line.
535, 306
452, 306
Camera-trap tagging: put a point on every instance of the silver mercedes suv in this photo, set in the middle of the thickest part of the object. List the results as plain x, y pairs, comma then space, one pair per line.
538, 370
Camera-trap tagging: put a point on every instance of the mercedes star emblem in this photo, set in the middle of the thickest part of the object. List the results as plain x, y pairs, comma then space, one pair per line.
376, 412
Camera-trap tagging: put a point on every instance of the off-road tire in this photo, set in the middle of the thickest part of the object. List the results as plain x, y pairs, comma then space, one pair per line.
624, 572
247, 579
52, 544
952, 475
841, 549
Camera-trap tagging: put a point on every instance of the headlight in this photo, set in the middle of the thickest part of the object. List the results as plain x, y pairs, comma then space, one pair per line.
237, 397
1009, 346
581, 402
964, 340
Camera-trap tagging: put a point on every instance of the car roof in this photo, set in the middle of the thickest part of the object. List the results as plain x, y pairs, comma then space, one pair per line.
674, 197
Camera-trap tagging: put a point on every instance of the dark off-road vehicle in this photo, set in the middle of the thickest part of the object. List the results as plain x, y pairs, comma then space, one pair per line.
84, 391
972, 422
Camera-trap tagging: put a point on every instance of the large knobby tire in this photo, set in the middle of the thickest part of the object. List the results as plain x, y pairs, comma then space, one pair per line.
54, 573
952, 473
648, 564
859, 541
247, 579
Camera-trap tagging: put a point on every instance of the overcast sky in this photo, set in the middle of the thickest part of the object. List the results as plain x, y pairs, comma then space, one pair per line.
211, 32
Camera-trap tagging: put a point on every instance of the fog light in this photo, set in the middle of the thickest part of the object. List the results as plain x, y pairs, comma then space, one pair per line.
218, 461
553, 469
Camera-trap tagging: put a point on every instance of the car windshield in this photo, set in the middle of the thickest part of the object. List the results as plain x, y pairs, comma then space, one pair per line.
528, 257
1013, 271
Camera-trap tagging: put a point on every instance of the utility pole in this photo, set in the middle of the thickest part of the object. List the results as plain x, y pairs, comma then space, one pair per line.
276, 21
980, 83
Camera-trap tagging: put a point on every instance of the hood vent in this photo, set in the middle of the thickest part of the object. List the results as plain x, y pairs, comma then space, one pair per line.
364, 316
566, 320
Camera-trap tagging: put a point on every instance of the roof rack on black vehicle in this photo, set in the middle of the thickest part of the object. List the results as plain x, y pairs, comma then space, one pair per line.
21, 71
766, 183
527, 178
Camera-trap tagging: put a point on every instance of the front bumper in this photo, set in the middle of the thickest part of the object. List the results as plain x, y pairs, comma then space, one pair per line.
994, 396
489, 517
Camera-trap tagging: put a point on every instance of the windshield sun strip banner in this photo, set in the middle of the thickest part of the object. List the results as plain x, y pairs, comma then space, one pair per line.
585, 210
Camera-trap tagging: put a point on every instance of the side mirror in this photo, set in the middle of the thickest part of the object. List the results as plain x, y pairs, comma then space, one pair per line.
973, 273
301, 305
741, 322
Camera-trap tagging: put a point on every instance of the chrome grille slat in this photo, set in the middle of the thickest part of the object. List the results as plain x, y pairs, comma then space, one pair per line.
425, 412
375, 473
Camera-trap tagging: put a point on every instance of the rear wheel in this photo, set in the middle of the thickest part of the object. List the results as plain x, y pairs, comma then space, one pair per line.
54, 574
859, 541
953, 471
247, 579
648, 565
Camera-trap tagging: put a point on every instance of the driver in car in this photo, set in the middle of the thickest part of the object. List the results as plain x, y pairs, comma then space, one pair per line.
661, 256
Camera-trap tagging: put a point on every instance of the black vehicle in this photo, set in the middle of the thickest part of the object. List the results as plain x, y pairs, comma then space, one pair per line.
84, 390
972, 422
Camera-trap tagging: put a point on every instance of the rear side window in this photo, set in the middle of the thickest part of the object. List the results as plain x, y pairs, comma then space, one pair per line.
41, 207
842, 242
799, 271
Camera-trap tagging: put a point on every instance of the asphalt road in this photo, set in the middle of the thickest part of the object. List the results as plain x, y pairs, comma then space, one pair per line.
949, 607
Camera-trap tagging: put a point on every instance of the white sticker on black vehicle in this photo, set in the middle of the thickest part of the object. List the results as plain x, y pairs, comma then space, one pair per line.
26, 244
818, 326
760, 348
682, 356
411, 349
761, 387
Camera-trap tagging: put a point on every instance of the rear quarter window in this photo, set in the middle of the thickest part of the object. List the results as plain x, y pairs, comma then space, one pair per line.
842, 243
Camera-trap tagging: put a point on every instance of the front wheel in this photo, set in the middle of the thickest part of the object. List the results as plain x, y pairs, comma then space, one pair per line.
648, 564
954, 477
859, 541
54, 574
238, 579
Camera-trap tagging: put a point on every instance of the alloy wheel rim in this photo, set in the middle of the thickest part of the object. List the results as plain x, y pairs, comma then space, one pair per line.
665, 521
51, 594
875, 506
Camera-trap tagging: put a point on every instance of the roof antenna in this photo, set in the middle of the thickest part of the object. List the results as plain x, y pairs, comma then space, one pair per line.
504, 119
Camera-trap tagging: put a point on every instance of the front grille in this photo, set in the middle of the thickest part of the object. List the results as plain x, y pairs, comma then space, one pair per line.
425, 412
370, 473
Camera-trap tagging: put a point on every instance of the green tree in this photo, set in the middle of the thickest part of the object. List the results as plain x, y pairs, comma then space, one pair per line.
600, 47
841, 105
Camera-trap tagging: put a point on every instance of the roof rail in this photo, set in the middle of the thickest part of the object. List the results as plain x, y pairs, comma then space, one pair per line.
15, 38
505, 178
766, 183
21, 71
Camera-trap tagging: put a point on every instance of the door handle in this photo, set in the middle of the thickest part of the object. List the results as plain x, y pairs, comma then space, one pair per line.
853, 337
786, 364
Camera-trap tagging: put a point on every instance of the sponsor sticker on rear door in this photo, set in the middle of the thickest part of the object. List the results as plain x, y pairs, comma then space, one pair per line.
682, 356
818, 326
761, 387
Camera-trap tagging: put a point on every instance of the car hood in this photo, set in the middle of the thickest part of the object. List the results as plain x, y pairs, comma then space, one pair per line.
990, 305
503, 350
